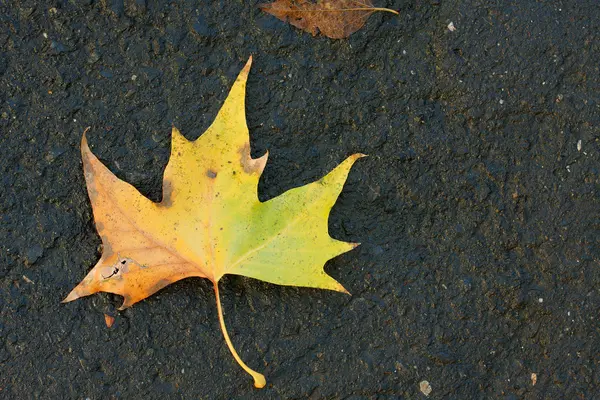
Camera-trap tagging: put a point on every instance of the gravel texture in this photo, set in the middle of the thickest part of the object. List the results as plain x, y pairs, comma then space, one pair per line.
478, 209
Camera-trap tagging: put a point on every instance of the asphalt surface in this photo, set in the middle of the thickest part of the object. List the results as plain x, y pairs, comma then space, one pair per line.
478, 209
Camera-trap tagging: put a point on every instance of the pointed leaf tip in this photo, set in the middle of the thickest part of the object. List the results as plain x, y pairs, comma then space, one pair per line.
84, 138
175, 132
246, 68
72, 296
343, 290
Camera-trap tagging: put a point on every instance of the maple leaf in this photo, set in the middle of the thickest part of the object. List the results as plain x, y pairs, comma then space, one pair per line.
210, 222
336, 19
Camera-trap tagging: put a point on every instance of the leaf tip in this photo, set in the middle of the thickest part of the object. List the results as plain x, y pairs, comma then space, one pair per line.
343, 289
72, 296
174, 130
86, 154
85, 288
177, 140
84, 143
246, 68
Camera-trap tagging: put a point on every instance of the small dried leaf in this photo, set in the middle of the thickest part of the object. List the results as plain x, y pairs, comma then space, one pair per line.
336, 19
109, 320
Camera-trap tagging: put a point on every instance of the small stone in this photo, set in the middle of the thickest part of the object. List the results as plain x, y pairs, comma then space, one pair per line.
202, 28
443, 357
451, 27
12, 338
26, 12
425, 388
33, 254
58, 47
533, 378
4, 354
93, 58
106, 73
151, 73
524, 144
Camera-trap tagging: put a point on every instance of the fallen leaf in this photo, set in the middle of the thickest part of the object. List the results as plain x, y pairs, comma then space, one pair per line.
210, 222
336, 19
109, 320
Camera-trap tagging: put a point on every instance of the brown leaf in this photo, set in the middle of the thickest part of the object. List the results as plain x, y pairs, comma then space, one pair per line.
336, 19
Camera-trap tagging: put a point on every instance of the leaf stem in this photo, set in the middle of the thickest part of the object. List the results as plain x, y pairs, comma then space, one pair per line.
259, 379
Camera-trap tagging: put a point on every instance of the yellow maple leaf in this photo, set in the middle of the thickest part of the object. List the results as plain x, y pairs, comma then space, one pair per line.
210, 221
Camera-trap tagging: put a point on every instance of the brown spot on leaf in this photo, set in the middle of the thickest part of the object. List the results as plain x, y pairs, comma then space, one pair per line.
124, 266
158, 285
167, 200
92, 193
252, 165
106, 248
